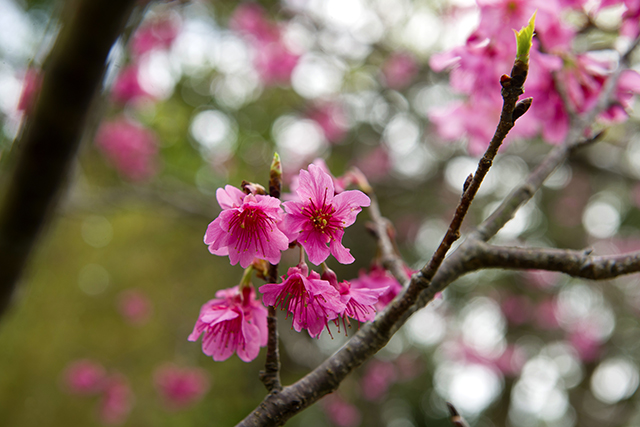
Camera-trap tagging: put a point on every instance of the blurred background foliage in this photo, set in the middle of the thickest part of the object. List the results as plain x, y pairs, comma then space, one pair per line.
120, 276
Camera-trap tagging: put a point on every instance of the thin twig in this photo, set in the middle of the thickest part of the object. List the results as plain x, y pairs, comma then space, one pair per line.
389, 257
512, 88
573, 140
270, 376
456, 418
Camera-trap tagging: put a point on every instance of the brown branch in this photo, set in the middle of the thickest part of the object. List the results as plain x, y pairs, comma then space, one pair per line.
277, 408
512, 88
456, 418
270, 376
573, 140
574, 263
45, 152
389, 256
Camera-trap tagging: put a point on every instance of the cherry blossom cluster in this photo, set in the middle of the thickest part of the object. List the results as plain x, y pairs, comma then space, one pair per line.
476, 68
254, 228
128, 145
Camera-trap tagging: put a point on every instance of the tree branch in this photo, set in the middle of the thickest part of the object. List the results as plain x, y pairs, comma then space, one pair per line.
389, 257
574, 263
277, 408
573, 140
270, 376
44, 154
512, 88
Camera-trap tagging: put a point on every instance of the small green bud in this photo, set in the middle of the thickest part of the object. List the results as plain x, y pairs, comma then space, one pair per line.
524, 38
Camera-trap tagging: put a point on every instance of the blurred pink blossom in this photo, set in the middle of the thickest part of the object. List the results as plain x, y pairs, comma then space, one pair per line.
180, 387
399, 70
275, 63
631, 19
377, 379
511, 361
135, 306
273, 60
157, 33
375, 164
85, 377
546, 314
250, 19
117, 400
408, 366
340, 412
476, 68
586, 344
332, 119
131, 148
126, 87
517, 309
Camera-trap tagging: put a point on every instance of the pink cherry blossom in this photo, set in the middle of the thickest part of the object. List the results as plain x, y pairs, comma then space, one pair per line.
313, 302
180, 387
378, 278
338, 185
359, 302
127, 87
320, 216
135, 306
85, 377
232, 322
117, 400
399, 70
129, 147
248, 227
631, 19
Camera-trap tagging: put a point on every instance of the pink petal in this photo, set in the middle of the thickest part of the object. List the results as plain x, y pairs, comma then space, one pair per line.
342, 254
315, 245
229, 197
251, 337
